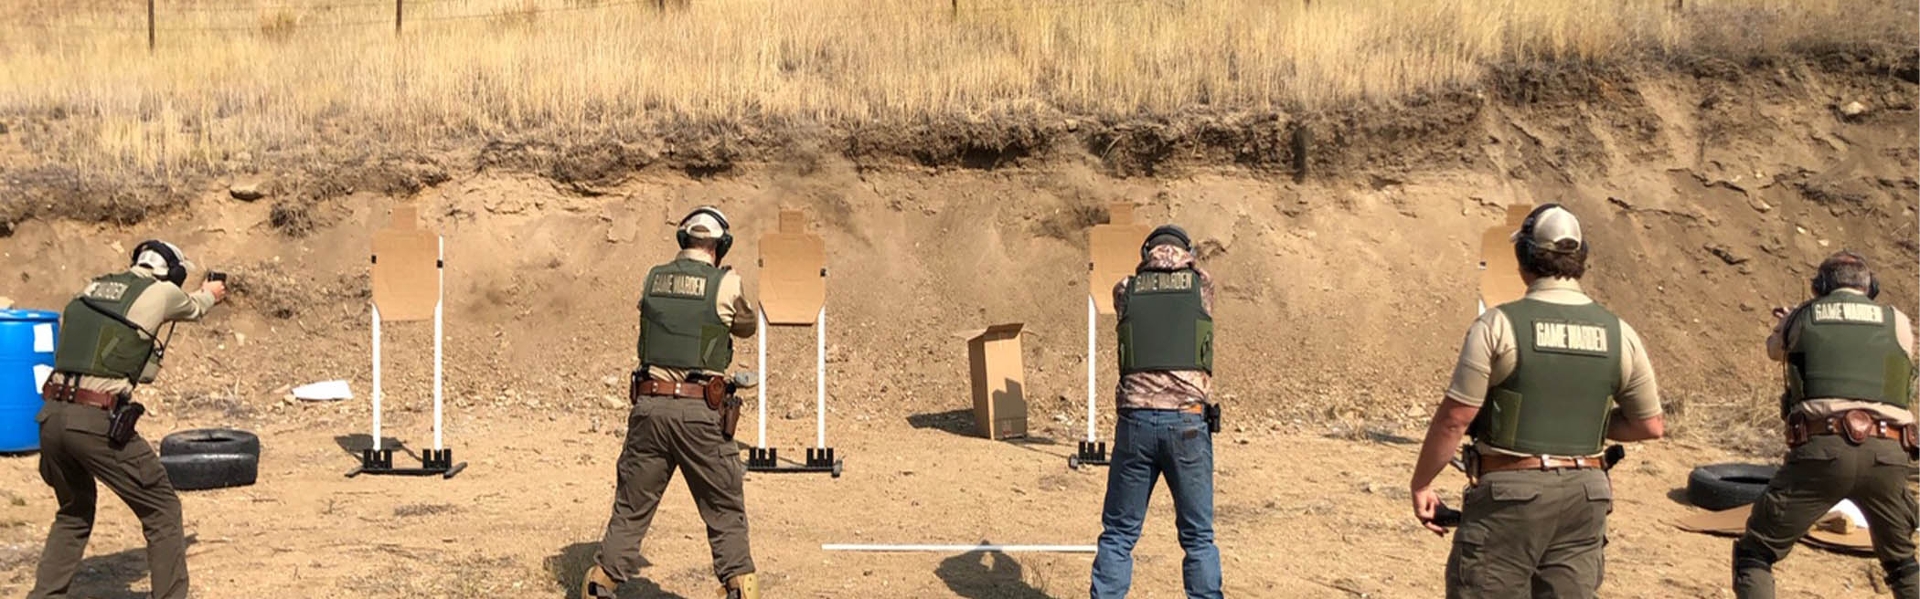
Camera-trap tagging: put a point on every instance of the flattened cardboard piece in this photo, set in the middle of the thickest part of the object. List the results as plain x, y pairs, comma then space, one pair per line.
999, 381
793, 280
1500, 271
1833, 532
1517, 214
406, 278
1115, 250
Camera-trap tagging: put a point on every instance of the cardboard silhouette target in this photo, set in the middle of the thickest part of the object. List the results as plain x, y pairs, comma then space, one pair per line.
793, 292
408, 280
1114, 252
793, 280
1499, 269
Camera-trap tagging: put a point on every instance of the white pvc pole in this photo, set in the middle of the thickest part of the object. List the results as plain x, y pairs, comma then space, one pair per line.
966, 548
820, 379
761, 336
376, 375
1092, 347
440, 293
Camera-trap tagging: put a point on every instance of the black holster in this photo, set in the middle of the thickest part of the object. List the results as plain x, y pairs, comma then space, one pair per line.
1212, 413
122, 419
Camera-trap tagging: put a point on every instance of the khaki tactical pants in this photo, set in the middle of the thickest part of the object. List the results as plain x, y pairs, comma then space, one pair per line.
1531, 533
665, 433
73, 454
1816, 476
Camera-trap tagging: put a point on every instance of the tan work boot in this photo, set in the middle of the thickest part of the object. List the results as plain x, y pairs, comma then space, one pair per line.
598, 585
744, 586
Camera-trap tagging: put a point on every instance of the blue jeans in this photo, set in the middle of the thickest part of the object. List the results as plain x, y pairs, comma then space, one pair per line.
1146, 445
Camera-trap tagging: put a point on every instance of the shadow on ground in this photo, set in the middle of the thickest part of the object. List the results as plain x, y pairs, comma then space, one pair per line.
114, 576
971, 575
355, 443
569, 569
959, 422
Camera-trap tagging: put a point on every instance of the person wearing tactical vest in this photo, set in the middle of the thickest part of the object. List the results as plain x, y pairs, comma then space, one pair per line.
1166, 418
110, 343
690, 311
1849, 416
1541, 384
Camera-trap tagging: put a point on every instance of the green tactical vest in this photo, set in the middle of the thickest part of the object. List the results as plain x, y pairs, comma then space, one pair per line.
95, 344
1566, 372
679, 325
1846, 349
1166, 325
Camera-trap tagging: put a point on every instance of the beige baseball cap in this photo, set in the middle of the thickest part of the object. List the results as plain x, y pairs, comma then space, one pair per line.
1551, 225
705, 223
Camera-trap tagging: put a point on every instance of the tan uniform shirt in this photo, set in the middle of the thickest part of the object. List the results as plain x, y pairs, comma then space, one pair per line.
1490, 353
1169, 389
1821, 407
730, 302
161, 303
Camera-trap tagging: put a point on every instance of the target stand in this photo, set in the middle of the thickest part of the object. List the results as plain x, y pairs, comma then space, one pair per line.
793, 279
1115, 249
410, 282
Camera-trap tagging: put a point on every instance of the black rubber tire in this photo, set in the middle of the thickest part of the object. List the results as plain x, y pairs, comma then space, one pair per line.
211, 441
1726, 486
211, 471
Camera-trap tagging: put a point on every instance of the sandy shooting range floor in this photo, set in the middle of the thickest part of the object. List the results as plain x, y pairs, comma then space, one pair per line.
1300, 515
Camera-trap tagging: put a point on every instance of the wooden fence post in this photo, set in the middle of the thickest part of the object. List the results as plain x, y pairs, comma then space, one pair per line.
399, 9
150, 26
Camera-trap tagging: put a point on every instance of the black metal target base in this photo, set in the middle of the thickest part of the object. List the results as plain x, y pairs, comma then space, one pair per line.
433, 462
819, 459
1090, 454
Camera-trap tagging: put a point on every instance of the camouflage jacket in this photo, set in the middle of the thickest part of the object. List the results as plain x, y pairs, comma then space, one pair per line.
1172, 389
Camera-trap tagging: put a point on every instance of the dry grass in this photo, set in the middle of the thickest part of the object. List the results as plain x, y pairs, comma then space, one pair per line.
239, 75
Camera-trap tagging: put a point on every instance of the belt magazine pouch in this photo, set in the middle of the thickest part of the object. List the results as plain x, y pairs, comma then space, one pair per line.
1910, 439
633, 385
1797, 433
120, 424
1857, 426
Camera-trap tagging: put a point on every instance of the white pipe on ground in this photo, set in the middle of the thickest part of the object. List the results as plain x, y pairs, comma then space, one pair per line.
965, 548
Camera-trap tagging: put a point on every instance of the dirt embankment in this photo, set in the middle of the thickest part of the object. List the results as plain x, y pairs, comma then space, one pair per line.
1344, 242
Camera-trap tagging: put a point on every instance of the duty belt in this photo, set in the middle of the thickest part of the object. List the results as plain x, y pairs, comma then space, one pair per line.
673, 389
86, 397
1499, 462
1856, 426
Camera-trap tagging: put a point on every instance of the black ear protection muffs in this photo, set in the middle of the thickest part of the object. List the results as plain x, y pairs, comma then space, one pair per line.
1523, 248
726, 231
1823, 282
1146, 245
174, 272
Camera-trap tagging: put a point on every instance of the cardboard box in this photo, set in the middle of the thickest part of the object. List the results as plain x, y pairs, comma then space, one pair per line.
999, 381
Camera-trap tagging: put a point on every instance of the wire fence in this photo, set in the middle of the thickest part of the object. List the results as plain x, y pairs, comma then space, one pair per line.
402, 23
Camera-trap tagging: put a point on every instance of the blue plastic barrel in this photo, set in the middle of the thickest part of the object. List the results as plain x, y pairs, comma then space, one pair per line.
26, 360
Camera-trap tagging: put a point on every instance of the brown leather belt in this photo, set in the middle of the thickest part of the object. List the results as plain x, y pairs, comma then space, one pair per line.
86, 397
1855, 425
672, 389
1499, 462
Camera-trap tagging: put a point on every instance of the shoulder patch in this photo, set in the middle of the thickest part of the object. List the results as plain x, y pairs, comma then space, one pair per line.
677, 285
1570, 338
1155, 282
108, 291
1849, 313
